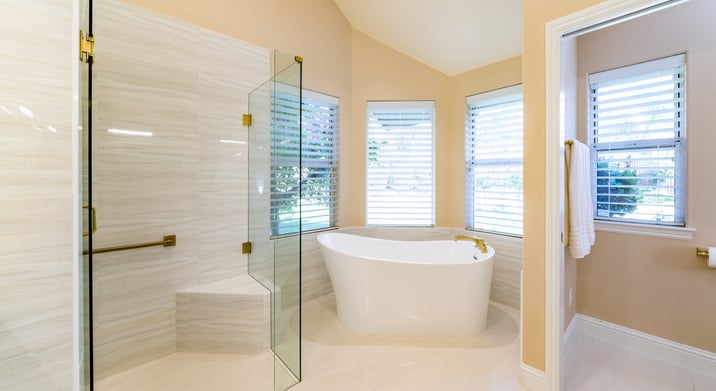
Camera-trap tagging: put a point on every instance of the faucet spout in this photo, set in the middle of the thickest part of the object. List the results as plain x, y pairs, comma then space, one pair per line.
479, 242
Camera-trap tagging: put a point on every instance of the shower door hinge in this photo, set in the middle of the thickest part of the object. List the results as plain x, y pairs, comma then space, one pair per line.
86, 47
246, 248
247, 119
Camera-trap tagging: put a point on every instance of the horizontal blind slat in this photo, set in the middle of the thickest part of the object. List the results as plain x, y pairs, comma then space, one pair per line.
636, 122
314, 148
399, 180
494, 154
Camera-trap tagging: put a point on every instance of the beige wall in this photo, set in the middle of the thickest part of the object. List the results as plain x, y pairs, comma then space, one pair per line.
657, 285
381, 73
535, 14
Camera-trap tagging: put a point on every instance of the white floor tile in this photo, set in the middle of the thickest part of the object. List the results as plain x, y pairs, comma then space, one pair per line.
336, 359
597, 365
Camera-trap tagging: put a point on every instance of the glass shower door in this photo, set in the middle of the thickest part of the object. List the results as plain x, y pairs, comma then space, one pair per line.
168, 157
275, 210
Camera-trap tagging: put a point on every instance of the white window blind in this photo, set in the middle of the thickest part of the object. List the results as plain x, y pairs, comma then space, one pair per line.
493, 161
316, 148
637, 126
400, 164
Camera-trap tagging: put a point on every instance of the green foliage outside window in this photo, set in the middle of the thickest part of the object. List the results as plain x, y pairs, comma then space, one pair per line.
622, 195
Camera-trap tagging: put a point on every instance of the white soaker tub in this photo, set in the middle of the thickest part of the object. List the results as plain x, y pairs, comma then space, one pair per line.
427, 288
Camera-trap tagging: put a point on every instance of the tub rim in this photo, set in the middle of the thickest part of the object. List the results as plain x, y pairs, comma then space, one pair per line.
489, 256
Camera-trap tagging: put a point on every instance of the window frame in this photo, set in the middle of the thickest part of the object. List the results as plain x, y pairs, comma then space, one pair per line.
472, 104
334, 107
372, 106
677, 143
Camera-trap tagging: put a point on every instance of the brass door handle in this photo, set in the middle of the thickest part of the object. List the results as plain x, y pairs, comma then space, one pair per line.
93, 215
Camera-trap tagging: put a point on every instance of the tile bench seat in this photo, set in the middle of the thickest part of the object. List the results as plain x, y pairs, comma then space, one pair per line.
225, 316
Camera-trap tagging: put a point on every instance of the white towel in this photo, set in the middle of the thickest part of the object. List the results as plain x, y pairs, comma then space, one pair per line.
581, 222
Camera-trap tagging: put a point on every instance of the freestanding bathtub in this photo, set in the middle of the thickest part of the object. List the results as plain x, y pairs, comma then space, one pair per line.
426, 288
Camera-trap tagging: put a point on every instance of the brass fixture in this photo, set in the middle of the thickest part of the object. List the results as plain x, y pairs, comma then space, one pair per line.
569, 142
86, 47
247, 120
167, 241
298, 59
702, 252
246, 248
479, 242
93, 212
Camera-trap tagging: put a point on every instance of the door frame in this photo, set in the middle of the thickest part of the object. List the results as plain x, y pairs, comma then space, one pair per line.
601, 15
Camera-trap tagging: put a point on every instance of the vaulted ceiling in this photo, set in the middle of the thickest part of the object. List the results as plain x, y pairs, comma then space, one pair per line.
451, 36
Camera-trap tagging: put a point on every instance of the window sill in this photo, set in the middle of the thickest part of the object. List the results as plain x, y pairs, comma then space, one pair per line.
659, 231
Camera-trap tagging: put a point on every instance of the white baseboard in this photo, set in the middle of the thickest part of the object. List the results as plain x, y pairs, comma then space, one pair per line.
681, 354
532, 379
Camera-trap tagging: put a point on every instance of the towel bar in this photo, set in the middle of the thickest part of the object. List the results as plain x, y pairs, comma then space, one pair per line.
167, 241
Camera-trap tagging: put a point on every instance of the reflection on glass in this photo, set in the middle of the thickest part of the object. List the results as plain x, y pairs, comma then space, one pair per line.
126, 132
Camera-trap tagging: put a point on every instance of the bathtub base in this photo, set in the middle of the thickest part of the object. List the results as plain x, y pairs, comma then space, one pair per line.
440, 298
439, 309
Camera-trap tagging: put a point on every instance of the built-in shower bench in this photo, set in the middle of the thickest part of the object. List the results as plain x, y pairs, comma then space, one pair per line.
225, 316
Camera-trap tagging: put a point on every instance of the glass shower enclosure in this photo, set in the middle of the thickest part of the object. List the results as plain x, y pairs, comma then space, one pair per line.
275, 209
192, 217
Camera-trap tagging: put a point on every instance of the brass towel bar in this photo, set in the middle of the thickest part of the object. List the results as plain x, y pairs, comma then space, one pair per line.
167, 241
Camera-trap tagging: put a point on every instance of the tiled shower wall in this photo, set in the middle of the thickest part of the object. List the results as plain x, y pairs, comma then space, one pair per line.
36, 187
189, 87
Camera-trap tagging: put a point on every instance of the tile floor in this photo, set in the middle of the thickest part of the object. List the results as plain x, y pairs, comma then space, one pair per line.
594, 364
335, 359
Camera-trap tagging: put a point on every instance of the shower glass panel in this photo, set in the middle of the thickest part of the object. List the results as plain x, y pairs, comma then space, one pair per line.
275, 209
167, 154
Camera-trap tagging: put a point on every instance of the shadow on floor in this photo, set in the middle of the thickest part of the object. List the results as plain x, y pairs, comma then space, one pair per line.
321, 326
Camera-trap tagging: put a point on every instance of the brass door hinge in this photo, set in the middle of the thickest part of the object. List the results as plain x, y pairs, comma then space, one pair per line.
246, 248
86, 47
247, 119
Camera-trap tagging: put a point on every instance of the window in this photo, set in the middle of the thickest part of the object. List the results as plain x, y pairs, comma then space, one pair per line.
493, 161
317, 150
400, 164
637, 129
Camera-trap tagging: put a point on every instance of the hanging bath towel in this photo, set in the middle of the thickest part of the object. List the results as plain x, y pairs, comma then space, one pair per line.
581, 222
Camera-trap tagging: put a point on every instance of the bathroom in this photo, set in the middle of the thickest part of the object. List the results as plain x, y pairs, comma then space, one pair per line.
338, 61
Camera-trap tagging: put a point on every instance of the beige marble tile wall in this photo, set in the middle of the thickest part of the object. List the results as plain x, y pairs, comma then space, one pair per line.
505, 274
36, 257
230, 69
188, 88
315, 281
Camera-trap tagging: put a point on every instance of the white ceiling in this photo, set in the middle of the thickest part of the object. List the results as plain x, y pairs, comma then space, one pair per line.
452, 36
